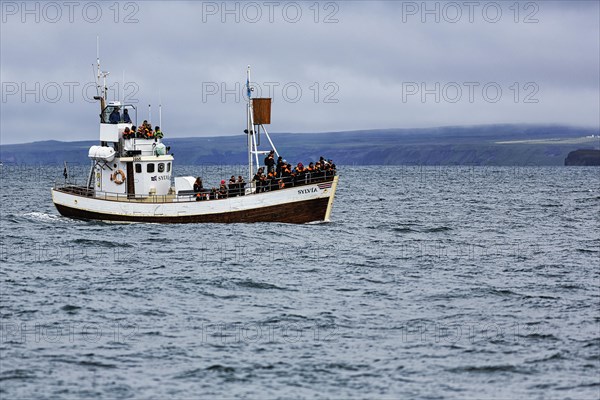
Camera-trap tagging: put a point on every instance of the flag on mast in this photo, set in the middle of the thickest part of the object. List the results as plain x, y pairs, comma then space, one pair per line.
248, 90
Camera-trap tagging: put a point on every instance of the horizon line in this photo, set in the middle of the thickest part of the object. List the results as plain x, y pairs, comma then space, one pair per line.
527, 124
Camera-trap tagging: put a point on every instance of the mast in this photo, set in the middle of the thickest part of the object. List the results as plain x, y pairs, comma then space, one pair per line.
101, 90
258, 115
249, 127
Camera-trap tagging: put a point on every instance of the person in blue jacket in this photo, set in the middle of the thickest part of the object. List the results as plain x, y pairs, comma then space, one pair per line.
126, 118
115, 117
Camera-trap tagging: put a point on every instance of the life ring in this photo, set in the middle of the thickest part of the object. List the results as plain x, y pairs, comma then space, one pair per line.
118, 177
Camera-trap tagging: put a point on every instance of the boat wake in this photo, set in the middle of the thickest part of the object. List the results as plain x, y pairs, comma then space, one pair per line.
42, 217
317, 222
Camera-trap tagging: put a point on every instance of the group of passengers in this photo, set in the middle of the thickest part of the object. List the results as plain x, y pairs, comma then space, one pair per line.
144, 131
280, 174
235, 187
115, 116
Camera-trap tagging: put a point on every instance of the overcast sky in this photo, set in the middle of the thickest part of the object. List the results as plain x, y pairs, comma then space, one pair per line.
329, 66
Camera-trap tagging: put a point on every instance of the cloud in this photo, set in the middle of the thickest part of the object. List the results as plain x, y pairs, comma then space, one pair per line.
349, 65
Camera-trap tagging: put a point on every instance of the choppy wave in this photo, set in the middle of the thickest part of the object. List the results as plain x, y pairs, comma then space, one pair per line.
484, 289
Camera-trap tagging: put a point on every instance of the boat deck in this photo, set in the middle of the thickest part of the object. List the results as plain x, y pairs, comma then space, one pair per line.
84, 191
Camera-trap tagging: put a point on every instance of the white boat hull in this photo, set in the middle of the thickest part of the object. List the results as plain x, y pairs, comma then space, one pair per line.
301, 204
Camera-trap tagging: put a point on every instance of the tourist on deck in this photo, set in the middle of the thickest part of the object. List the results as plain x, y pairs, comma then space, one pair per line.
222, 190
148, 133
332, 166
280, 164
270, 161
259, 179
327, 170
241, 185
263, 182
127, 133
141, 132
272, 181
199, 189
318, 172
310, 172
114, 117
286, 175
300, 174
198, 185
233, 187
126, 118
158, 133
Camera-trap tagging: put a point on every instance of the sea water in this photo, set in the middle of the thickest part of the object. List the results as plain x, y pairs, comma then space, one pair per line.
429, 282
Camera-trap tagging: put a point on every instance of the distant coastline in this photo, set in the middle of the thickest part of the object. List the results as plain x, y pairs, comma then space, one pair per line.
491, 145
586, 158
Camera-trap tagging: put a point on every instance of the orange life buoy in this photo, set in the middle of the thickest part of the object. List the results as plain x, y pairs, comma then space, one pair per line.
118, 177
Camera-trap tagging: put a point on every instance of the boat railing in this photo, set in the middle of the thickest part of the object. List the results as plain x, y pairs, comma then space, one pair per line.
307, 178
73, 185
248, 189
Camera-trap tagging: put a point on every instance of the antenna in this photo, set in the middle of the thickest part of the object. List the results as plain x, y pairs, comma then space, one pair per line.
98, 60
100, 73
159, 110
100, 91
104, 75
96, 78
123, 89
149, 114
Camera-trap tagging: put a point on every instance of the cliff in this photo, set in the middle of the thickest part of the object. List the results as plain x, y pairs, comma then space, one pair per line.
583, 158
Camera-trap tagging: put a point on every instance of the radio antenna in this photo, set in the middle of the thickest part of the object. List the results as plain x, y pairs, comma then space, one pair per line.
96, 79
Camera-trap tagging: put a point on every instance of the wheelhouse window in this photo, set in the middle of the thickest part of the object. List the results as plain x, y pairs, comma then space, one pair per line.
161, 167
150, 168
138, 168
118, 113
168, 167
111, 115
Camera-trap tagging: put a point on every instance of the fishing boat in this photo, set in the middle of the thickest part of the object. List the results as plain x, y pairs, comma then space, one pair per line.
130, 178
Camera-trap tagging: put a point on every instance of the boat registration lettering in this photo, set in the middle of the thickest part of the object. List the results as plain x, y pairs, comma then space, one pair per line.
307, 191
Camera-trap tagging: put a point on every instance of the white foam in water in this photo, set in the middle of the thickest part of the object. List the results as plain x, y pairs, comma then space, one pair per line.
42, 216
317, 222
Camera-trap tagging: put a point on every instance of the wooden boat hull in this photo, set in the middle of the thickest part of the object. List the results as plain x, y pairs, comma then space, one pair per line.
294, 205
